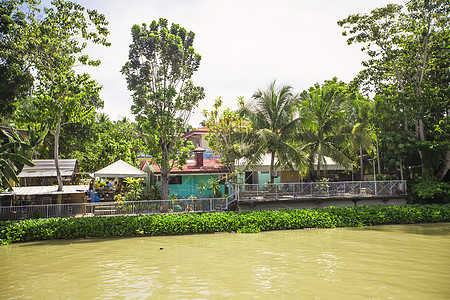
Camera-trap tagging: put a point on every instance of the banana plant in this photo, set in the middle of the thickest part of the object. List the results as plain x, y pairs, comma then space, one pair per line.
12, 159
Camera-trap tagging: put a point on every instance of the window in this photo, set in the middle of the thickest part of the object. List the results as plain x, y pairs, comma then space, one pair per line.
175, 179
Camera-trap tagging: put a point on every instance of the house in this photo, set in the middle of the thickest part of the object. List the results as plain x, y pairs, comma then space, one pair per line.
260, 174
49, 194
198, 139
44, 172
184, 182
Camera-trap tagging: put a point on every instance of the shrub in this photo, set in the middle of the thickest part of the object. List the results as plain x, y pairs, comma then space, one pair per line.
429, 191
243, 222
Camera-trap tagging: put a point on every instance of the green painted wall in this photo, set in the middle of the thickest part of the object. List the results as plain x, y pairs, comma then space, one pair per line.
189, 186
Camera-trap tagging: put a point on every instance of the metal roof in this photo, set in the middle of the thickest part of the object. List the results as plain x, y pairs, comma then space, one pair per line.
48, 190
46, 168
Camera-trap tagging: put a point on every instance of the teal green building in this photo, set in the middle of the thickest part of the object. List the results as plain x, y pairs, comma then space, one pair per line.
199, 172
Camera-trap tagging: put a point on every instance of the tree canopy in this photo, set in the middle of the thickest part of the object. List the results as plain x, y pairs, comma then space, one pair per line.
160, 65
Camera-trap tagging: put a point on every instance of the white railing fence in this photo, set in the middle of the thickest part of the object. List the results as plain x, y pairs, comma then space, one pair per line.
113, 208
275, 191
282, 191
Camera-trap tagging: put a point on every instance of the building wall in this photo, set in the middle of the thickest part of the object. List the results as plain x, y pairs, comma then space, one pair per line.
258, 178
289, 176
189, 186
198, 139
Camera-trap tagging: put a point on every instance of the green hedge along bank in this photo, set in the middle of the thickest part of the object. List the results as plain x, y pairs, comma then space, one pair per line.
243, 222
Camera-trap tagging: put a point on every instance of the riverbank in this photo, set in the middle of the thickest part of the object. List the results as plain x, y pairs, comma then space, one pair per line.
243, 222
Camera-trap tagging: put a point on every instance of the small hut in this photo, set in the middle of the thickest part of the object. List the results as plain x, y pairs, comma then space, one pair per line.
44, 172
36, 195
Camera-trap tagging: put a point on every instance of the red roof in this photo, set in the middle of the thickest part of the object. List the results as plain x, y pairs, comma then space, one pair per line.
210, 165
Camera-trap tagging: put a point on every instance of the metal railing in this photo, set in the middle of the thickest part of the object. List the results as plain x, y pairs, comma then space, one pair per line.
284, 191
276, 191
113, 208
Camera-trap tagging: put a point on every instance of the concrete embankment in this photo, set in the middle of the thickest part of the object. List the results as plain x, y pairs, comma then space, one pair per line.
318, 202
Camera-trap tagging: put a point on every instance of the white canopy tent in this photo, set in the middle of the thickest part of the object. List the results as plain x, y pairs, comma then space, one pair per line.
120, 169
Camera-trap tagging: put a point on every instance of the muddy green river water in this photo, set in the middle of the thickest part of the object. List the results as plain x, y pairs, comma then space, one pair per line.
380, 262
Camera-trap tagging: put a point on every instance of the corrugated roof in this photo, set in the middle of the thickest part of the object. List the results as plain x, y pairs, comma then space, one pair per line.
212, 165
46, 168
49, 190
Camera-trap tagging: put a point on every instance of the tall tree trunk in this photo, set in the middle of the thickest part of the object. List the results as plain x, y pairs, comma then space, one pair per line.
443, 171
56, 152
419, 135
165, 178
318, 167
361, 162
272, 164
378, 156
401, 171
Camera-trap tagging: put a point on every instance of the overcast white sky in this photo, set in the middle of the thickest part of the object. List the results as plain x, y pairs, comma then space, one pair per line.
244, 44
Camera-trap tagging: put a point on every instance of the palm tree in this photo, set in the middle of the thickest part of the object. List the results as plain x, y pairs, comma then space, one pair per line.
274, 121
326, 132
202, 187
361, 131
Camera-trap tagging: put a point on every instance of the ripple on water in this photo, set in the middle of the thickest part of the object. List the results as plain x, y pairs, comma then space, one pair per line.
407, 261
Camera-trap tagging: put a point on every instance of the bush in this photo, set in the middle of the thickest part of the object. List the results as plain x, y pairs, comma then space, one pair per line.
426, 191
245, 222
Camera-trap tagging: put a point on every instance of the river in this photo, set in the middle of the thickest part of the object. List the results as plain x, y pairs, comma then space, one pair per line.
379, 262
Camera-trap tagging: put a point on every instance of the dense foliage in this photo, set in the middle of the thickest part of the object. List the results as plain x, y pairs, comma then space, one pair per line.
98, 143
168, 224
12, 158
426, 190
274, 121
51, 41
408, 70
160, 65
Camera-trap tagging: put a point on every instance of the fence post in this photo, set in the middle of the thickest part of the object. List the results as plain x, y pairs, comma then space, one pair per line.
238, 195
210, 204
133, 207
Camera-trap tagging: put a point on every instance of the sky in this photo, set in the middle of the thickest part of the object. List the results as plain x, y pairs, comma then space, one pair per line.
244, 44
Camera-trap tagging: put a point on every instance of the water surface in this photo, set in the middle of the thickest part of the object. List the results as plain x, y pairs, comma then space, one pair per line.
380, 262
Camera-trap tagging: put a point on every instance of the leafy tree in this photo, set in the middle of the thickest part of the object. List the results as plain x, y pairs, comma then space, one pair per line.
15, 76
406, 46
98, 143
54, 44
161, 64
274, 122
326, 132
227, 135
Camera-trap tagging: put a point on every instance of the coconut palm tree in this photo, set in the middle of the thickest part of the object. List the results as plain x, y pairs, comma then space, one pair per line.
362, 133
274, 121
326, 131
